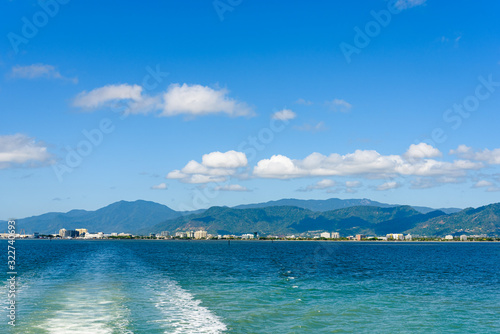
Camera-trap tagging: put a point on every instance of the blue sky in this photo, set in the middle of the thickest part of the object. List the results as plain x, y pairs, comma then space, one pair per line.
199, 103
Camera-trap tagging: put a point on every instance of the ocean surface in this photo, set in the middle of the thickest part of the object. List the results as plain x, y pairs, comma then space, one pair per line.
73, 286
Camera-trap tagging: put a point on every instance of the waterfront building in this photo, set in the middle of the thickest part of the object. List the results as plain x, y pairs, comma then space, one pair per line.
165, 233
190, 234
326, 235
463, 237
98, 235
247, 236
81, 231
359, 237
200, 234
408, 237
335, 235
64, 233
448, 237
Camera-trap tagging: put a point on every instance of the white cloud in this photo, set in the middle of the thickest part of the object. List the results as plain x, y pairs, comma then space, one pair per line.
19, 149
388, 185
405, 4
431, 182
101, 96
353, 184
320, 126
339, 105
161, 186
304, 102
193, 100
200, 100
215, 167
421, 151
323, 184
229, 159
231, 187
482, 183
489, 156
284, 115
36, 71
361, 162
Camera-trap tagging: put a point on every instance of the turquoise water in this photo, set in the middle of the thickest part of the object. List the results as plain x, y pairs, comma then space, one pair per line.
71, 286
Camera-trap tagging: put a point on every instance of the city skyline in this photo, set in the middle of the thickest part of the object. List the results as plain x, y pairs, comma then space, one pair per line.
212, 104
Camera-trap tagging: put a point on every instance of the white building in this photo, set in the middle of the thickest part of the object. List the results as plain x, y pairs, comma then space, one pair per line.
99, 235
395, 236
247, 236
181, 234
190, 234
200, 234
448, 237
408, 237
463, 237
335, 235
165, 233
326, 235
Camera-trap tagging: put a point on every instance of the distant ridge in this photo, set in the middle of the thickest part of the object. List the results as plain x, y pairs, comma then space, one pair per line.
118, 217
336, 203
276, 217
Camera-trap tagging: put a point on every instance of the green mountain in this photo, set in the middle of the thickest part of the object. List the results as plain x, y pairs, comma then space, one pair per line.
334, 204
118, 217
224, 220
483, 220
142, 217
292, 220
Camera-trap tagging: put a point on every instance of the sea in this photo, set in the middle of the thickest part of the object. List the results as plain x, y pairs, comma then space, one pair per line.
134, 286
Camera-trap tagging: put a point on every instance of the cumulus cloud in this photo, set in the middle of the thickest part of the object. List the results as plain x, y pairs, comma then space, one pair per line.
21, 150
421, 151
388, 185
215, 167
231, 187
36, 71
405, 4
489, 156
229, 159
323, 184
318, 127
101, 96
339, 105
483, 183
191, 100
284, 115
201, 100
353, 184
161, 186
361, 162
304, 102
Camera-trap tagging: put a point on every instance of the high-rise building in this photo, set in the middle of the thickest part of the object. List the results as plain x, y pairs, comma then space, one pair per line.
326, 235
200, 234
81, 231
335, 235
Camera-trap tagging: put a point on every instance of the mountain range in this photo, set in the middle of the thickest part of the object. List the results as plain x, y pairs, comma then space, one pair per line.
286, 216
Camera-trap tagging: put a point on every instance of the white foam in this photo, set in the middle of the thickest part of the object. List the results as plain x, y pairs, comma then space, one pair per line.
183, 313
